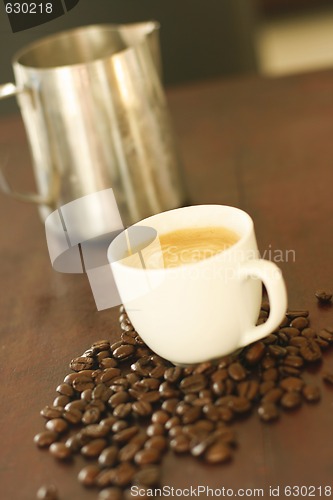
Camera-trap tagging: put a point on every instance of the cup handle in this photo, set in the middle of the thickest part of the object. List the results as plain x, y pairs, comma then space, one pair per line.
271, 276
11, 90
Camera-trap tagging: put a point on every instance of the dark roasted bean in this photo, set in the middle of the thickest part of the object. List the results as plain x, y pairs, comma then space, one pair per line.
295, 314
109, 374
112, 493
142, 408
57, 425
325, 334
81, 363
270, 375
96, 431
193, 383
155, 430
87, 476
277, 351
65, 390
51, 412
127, 452
308, 333
60, 451
61, 401
292, 384
323, 296
78, 404
170, 405
108, 457
311, 352
254, 353
73, 416
328, 377
167, 390
94, 447
219, 375
311, 393
248, 389
217, 453
268, 412
272, 396
125, 435
46, 438
49, 492
106, 363
159, 442
147, 456
293, 361
122, 410
118, 398
180, 444
91, 416
290, 331
291, 400
160, 417
124, 351
119, 425
151, 396
82, 383
300, 323
237, 372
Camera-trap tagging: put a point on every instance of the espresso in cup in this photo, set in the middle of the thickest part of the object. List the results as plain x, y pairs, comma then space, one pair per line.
186, 246
201, 299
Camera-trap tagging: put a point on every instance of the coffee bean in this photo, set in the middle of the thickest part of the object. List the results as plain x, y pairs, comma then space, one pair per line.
125, 435
159, 442
220, 375
65, 390
122, 410
108, 363
170, 405
61, 401
148, 476
255, 352
57, 425
81, 363
199, 448
108, 457
96, 431
326, 335
277, 351
191, 415
268, 362
101, 392
100, 345
293, 331
300, 323
268, 411
142, 408
311, 393
295, 314
193, 383
73, 416
248, 389
119, 425
157, 372
112, 493
124, 351
147, 456
308, 333
78, 404
150, 397
82, 383
237, 372
49, 492
211, 412
127, 452
87, 476
109, 374
60, 451
51, 412
291, 384
270, 375
323, 296
266, 386
311, 352
155, 430
219, 452
118, 398
167, 390
160, 417
75, 442
45, 439
291, 400
180, 444
272, 396
293, 361
328, 378
94, 448
298, 341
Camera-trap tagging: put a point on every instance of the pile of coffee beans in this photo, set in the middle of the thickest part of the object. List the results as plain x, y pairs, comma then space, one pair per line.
123, 407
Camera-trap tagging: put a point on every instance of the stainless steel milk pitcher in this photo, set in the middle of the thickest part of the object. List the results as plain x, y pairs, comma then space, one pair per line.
96, 117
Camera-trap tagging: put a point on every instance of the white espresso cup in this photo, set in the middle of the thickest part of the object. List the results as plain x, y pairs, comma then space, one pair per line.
203, 310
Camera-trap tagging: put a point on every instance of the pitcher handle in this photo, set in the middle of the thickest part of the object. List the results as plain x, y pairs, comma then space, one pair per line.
11, 90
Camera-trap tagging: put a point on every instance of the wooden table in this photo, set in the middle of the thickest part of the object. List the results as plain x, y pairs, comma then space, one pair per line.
264, 145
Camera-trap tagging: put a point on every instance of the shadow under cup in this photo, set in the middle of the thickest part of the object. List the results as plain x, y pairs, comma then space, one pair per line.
193, 312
